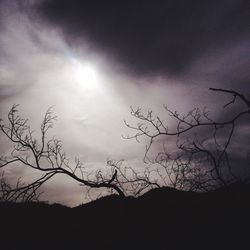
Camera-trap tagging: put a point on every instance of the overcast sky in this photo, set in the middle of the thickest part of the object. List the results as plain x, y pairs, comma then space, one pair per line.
135, 53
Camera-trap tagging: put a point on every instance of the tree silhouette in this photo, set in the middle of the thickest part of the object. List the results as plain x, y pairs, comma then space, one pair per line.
201, 159
44, 155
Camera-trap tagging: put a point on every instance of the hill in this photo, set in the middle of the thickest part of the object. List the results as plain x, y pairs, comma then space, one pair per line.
161, 219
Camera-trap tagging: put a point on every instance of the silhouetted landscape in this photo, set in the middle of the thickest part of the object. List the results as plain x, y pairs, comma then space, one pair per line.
124, 124
160, 219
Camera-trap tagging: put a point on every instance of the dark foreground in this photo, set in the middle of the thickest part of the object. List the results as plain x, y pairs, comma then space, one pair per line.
161, 219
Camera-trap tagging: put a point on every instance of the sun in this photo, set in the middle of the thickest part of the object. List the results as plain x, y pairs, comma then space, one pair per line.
86, 75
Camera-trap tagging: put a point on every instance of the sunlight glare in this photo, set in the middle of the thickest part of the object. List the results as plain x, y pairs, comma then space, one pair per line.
86, 76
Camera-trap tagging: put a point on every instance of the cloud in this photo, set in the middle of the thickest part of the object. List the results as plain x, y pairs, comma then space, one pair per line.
228, 67
149, 37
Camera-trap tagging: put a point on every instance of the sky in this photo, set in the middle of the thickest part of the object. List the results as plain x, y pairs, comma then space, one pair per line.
93, 60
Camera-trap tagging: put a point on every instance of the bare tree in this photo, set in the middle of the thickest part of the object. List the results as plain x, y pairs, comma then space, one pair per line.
201, 159
44, 155
133, 181
47, 157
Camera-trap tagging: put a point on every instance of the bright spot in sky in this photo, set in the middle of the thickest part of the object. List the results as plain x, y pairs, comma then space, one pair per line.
86, 75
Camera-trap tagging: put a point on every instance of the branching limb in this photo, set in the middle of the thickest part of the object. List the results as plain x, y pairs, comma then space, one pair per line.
45, 156
195, 154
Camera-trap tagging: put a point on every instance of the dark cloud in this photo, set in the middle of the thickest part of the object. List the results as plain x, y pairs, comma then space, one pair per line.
151, 37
